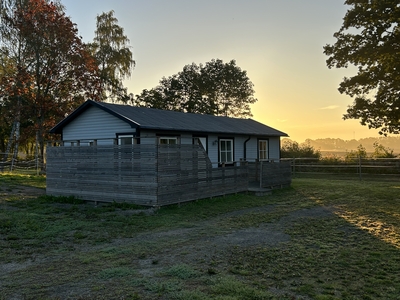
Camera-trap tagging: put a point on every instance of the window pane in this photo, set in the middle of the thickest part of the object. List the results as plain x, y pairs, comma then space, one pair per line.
263, 149
262, 155
168, 141
226, 150
229, 156
223, 157
126, 141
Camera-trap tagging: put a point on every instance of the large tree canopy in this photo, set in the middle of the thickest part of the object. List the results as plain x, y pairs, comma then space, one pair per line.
370, 40
114, 56
216, 88
50, 71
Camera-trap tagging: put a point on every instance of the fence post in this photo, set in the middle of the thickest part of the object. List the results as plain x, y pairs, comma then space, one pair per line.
261, 171
294, 166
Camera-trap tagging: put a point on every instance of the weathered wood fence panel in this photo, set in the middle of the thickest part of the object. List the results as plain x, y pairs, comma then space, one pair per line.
150, 175
185, 173
271, 174
104, 173
275, 175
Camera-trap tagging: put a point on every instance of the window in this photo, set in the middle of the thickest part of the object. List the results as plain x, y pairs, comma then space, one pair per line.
165, 140
226, 150
126, 140
263, 149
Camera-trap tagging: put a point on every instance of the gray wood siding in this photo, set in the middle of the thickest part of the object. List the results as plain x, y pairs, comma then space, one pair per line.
213, 149
274, 148
252, 149
186, 139
95, 123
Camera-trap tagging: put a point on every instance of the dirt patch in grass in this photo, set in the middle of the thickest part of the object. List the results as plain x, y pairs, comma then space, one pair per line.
13, 192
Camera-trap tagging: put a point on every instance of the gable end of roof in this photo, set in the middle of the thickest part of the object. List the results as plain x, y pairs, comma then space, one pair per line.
90, 103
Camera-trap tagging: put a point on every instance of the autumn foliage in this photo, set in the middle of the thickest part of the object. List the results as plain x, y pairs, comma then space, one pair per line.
50, 70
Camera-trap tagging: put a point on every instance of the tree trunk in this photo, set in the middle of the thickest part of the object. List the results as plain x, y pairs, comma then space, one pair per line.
17, 134
9, 143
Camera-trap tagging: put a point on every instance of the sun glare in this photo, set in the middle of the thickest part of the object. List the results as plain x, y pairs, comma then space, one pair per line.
383, 231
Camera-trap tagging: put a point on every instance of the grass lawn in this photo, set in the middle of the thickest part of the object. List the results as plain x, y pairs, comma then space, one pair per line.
319, 239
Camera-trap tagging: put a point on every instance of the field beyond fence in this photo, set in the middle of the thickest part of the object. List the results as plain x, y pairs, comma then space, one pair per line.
358, 168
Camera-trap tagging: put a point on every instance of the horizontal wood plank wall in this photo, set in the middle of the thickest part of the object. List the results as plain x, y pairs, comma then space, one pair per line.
104, 173
185, 173
148, 174
276, 175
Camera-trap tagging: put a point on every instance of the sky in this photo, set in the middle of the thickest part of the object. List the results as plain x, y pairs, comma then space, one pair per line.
278, 42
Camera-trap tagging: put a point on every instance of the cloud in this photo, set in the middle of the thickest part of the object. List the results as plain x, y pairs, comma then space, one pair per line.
329, 107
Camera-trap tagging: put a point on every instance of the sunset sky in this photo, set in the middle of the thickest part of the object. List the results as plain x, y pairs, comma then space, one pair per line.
279, 44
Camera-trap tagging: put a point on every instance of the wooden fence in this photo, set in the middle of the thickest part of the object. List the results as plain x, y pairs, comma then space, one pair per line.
185, 173
150, 175
32, 167
358, 167
103, 173
270, 174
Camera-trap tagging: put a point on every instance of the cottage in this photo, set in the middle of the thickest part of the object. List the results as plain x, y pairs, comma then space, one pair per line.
154, 157
225, 140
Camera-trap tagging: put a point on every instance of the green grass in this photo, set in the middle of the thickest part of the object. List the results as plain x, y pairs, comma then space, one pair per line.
10, 180
349, 248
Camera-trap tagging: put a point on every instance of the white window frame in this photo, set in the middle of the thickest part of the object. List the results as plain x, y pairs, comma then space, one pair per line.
223, 154
263, 152
126, 136
169, 140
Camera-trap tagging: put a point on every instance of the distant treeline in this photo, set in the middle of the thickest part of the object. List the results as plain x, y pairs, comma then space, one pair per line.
339, 145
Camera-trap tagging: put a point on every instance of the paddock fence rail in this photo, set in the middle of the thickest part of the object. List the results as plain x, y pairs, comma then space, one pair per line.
357, 168
24, 166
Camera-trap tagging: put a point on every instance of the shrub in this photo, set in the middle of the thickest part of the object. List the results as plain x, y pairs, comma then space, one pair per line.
353, 155
291, 149
381, 151
331, 159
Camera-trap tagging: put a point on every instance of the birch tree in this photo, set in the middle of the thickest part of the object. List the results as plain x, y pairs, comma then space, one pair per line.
114, 57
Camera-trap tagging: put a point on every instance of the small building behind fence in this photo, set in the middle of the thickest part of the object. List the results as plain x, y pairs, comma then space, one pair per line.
112, 152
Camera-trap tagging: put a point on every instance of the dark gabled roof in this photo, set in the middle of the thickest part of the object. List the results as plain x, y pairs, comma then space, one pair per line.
150, 118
